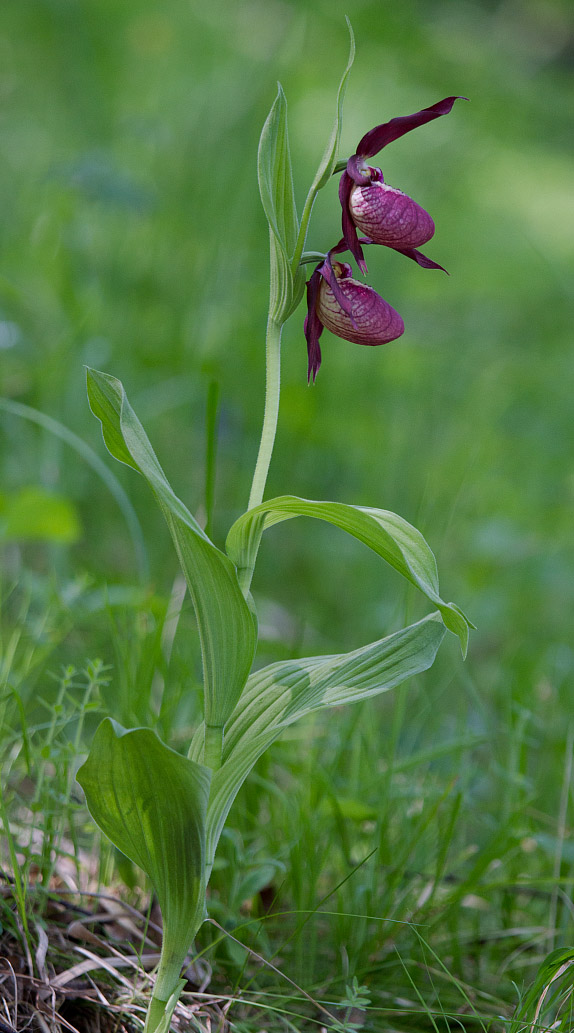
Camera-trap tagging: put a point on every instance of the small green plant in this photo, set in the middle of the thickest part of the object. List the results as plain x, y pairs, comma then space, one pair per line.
164, 810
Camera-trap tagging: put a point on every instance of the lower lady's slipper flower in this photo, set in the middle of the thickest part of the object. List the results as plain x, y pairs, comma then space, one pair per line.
348, 308
384, 214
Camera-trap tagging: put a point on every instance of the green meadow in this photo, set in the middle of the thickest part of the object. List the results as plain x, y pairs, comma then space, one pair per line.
404, 865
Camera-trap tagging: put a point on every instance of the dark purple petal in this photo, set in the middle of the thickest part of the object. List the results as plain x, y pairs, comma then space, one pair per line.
388, 216
349, 230
419, 258
374, 321
380, 136
313, 327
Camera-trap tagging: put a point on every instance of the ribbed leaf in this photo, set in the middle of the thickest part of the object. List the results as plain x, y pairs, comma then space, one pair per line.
278, 695
226, 626
391, 537
151, 802
278, 199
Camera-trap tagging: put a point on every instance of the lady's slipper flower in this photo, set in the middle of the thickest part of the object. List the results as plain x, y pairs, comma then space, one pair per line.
384, 214
347, 308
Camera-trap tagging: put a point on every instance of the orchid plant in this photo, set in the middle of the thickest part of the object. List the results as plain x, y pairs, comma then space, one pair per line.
166, 810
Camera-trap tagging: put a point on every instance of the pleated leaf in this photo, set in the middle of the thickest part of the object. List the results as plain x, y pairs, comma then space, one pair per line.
280, 694
152, 803
391, 537
226, 625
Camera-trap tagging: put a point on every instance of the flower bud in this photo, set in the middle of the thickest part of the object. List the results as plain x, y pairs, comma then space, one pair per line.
371, 320
388, 216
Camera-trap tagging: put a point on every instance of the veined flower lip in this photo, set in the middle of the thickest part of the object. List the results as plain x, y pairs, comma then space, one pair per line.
371, 321
389, 216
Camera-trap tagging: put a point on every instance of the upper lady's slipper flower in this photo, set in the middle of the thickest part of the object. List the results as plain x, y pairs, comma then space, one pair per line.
347, 308
384, 214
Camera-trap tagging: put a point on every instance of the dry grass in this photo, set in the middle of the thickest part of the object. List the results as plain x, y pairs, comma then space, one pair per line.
87, 966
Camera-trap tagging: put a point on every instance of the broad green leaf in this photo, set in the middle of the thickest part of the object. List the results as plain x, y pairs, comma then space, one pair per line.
329, 159
151, 802
278, 199
226, 626
280, 694
391, 537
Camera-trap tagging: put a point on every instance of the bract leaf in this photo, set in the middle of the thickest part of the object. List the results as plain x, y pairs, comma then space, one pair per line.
278, 695
391, 537
227, 628
151, 802
329, 159
278, 198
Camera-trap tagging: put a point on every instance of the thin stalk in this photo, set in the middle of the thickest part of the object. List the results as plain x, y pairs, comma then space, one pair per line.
268, 432
303, 226
272, 391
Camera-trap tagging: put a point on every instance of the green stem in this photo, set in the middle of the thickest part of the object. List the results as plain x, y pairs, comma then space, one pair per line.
168, 983
272, 390
268, 432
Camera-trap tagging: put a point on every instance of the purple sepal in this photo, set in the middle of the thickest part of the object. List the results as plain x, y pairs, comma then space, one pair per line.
418, 257
380, 136
313, 327
349, 229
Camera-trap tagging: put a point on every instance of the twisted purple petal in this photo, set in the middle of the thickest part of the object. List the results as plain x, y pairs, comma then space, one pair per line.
349, 229
409, 252
328, 273
313, 327
380, 136
419, 258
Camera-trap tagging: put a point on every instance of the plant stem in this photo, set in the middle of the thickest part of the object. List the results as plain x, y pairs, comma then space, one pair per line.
302, 235
272, 390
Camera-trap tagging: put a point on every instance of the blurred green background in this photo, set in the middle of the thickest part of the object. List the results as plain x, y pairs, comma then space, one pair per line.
132, 239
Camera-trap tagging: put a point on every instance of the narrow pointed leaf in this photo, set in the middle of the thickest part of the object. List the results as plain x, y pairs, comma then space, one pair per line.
226, 626
329, 159
278, 199
391, 537
280, 694
151, 802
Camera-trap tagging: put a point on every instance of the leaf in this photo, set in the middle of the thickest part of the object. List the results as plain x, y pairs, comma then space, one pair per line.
280, 694
552, 986
151, 802
391, 537
329, 159
278, 199
227, 629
